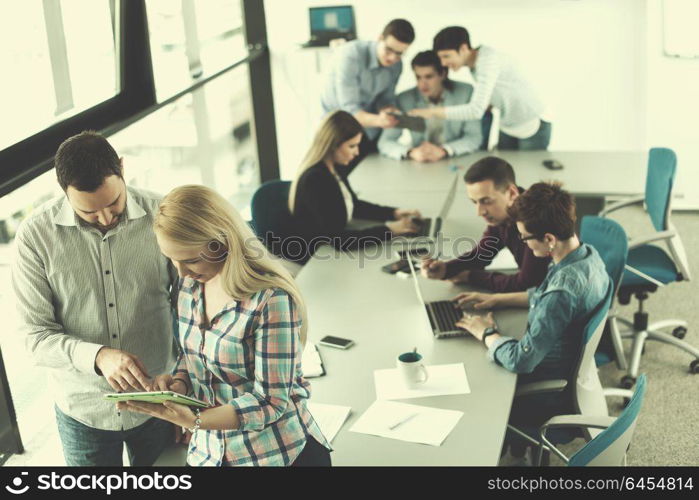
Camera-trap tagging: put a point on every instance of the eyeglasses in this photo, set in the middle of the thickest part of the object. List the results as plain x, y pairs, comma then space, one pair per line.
530, 237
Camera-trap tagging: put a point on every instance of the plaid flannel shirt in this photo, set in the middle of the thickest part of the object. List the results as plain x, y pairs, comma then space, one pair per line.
249, 357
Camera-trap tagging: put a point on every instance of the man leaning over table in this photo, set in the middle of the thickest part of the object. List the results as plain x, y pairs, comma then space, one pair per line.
362, 81
93, 294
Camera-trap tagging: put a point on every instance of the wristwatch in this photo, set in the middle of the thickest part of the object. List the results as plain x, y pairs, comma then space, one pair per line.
488, 331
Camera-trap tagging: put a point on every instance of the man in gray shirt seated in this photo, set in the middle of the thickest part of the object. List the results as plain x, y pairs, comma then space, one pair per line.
362, 81
93, 294
441, 138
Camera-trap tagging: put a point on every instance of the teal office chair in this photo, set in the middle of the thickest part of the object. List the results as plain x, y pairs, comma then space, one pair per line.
273, 223
270, 210
649, 266
609, 447
610, 240
583, 390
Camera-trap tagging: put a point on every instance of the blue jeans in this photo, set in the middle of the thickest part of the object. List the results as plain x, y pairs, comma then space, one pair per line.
85, 446
538, 141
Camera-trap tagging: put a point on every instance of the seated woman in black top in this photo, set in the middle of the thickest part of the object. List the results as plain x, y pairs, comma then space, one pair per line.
322, 201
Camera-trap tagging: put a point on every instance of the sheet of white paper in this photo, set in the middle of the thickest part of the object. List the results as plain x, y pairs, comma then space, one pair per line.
503, 261
311, 362
443, 380
329, 417
428, 426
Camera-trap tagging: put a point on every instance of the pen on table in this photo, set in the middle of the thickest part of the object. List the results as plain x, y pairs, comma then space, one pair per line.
402, 421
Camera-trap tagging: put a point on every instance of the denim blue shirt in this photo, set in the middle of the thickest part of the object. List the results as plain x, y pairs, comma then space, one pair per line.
357, 81
558, 311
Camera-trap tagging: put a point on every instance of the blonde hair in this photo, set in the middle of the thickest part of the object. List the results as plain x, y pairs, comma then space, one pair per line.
199, 217
338, 127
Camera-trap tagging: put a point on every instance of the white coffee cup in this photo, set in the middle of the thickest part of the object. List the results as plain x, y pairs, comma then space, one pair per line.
412, 369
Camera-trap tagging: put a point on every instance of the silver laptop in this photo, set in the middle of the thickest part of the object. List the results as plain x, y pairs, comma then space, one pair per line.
443, 314
426, 224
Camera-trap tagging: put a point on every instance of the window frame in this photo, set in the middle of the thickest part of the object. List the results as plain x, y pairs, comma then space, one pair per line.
33, 156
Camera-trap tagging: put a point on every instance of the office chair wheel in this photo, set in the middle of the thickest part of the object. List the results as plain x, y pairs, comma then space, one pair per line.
679, 332
694, 366
627, 381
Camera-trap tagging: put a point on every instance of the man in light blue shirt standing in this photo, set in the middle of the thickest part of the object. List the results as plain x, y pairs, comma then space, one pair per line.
363, 78
441, 138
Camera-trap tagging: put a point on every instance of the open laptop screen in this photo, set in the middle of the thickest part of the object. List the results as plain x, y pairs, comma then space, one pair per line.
332, 20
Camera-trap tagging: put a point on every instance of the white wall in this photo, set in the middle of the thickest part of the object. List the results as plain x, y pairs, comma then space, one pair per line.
592, 60
673, 107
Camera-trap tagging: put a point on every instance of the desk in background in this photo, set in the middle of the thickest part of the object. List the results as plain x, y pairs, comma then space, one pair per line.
590, 176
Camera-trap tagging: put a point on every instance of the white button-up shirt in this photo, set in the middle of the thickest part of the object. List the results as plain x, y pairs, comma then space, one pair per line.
79, 290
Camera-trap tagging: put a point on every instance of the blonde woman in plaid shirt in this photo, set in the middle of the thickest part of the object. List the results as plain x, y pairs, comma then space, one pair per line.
241, 331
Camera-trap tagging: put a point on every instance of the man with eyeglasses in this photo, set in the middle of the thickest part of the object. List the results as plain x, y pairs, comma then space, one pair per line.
491, 186
363, 79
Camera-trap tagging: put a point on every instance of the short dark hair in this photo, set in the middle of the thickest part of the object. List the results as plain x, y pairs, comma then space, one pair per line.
451, 38
491, 168
401, 30
84, 161
545, 208
429, 58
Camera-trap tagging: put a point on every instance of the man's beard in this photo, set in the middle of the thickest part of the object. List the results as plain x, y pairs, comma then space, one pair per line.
114, 223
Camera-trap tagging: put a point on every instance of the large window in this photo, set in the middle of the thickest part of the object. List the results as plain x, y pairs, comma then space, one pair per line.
173, 86
54, 63
191, 39
203, 137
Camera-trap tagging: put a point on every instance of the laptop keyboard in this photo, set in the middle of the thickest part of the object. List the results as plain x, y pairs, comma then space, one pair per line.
445, 315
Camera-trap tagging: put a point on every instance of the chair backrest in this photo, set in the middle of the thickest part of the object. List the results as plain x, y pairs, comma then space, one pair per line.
610, 240
662, 165
270, 210
589, 395
609, 447
679, 255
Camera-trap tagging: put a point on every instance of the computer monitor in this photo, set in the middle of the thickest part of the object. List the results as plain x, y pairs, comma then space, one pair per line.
328, 23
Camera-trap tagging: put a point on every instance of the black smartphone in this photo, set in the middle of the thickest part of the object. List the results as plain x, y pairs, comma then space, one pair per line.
337, 342
414, 253
396, 266
553, 164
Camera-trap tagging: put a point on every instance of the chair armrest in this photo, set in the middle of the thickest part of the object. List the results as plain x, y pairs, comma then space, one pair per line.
659, 236
650, 279
621, 204
568, 421
590, 421
614, 391
542, 387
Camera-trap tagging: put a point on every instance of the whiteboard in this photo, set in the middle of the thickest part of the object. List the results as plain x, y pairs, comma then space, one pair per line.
680, 33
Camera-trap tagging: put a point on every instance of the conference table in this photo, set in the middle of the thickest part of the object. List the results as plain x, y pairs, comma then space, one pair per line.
592, 176
348, 295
